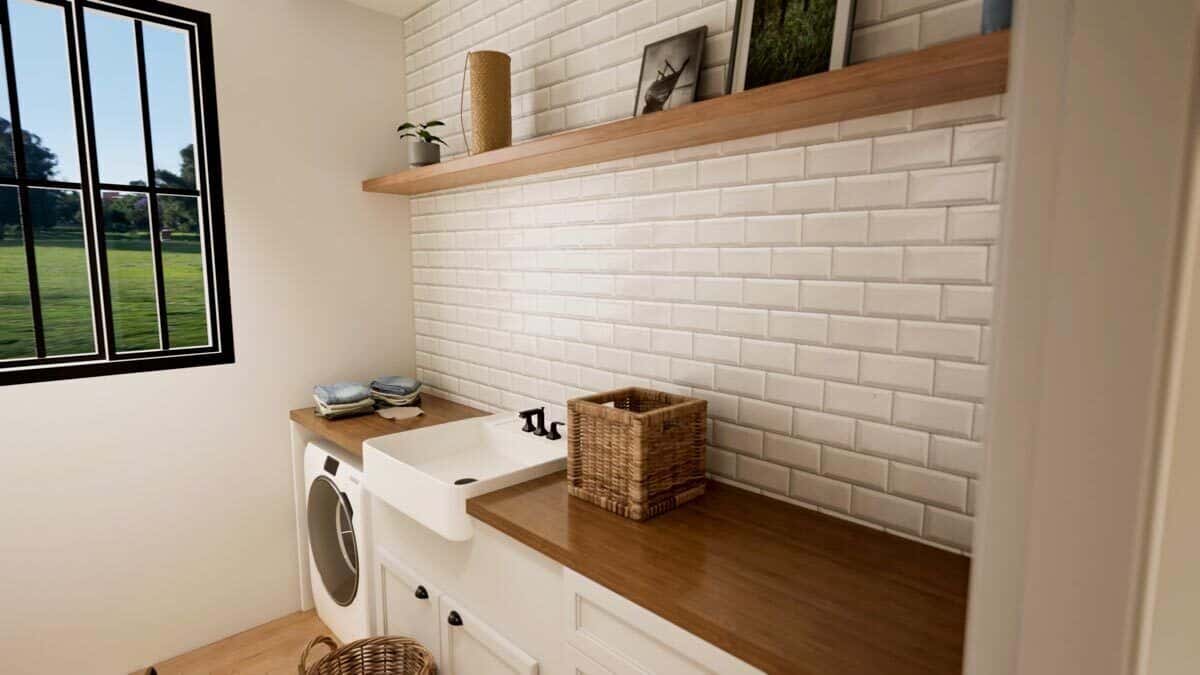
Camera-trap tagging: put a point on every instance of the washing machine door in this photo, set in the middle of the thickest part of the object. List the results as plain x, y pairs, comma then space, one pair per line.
332, 539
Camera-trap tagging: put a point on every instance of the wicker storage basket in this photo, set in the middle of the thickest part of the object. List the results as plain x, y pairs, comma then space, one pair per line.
641, 456
372, 656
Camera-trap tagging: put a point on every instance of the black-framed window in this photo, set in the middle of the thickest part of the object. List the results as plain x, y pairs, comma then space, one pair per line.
112, 236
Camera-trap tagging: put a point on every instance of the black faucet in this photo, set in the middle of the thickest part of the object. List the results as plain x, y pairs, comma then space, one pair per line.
528, 415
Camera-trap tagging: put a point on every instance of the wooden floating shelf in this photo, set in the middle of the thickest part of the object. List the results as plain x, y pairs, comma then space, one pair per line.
969, 68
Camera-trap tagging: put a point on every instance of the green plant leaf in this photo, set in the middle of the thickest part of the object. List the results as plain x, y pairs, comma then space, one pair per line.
434, 123
406, 125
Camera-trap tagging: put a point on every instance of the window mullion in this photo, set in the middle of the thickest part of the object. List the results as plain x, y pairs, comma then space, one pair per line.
91, 192
76, 55
18, 141
151, 195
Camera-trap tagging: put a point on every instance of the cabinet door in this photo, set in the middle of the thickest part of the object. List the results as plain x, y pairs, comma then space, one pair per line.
630, 640
407, 605
471, 647
579, 664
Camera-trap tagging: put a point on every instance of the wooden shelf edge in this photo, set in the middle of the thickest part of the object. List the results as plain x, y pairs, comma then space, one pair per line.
964, 69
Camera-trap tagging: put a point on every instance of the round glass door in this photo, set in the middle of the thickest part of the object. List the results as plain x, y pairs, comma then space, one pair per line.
331, 537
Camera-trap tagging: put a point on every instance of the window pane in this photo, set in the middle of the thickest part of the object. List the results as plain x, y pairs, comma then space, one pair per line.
44, 90
169, 89
116, 98
16, 313
8, 167
62, 266
130, 271
183, 272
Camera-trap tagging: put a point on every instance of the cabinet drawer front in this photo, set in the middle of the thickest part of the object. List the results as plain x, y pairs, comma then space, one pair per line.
578, 664
471, 647
627, 639
402, 609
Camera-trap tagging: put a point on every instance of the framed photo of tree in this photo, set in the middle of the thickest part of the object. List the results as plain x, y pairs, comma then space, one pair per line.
778, 40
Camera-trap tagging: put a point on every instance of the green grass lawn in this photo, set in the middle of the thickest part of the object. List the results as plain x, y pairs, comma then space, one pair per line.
66, 305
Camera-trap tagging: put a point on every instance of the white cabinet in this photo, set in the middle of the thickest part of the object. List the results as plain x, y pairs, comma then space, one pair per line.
471, 647
406, 604
623, 638
582, 665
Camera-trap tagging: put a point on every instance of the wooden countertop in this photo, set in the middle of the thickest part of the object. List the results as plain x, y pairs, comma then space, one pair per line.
785, 589
350, 432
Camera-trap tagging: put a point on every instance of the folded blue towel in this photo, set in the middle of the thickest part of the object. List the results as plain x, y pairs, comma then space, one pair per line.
396, 385
341, 393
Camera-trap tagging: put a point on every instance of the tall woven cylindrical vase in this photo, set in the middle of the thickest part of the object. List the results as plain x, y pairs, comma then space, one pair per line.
491, 101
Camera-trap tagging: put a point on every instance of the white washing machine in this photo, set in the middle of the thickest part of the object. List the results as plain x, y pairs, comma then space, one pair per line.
334, 504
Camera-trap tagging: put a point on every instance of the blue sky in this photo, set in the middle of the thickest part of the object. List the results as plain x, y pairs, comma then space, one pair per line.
44, 89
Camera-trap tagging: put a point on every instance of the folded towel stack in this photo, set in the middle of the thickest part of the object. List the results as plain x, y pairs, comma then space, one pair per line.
343, 399
396, 390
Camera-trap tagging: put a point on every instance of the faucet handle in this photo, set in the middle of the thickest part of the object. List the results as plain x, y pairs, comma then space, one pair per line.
527, 415
553, 433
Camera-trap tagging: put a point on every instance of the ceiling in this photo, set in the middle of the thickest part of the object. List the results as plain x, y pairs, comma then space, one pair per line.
402, 8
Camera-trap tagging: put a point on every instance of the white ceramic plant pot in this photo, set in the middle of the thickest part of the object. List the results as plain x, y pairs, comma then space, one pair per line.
421, 153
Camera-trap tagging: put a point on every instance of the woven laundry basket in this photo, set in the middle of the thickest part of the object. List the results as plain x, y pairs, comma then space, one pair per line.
636, 452
372, 656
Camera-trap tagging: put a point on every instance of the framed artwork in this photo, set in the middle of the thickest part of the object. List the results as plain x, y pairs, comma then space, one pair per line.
670, 72
778, 40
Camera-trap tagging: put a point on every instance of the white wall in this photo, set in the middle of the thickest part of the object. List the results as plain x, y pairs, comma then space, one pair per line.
828, 290
148, 514
1090, 283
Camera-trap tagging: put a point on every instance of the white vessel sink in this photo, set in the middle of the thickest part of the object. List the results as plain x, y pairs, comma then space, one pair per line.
426, 473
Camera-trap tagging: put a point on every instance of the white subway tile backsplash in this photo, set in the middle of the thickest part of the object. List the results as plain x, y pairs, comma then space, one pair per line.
921, 301
821, 491
798, 281
831, 296
854, 467
915, 150
804, 392
946, 263
933, 487
857, 401
798, 326
876, 191
741, 381
955, 185
956, 455
776, 293
874, 262
805, 196
838, 159
953, 529
764, 415
891, 511
776, 165
835, 228
793, 452
826, 363
934, 414
762, 474
863, 333
773, 356
823, 428
742, 439
904, 445
897, 372
949, 340
907, 226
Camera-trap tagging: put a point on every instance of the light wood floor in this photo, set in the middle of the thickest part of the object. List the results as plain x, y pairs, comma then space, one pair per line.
270, 649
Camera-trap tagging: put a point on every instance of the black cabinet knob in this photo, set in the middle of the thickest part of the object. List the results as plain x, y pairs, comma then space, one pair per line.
454, 619
421, 593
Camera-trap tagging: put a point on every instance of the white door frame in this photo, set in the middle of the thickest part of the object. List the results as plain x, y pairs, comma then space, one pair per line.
1100, 102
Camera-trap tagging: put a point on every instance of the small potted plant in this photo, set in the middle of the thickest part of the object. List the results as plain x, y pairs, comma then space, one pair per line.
424, 150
